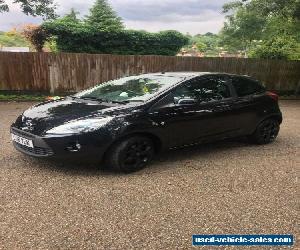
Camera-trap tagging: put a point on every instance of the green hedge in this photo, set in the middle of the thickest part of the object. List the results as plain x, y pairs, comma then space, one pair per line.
80, 38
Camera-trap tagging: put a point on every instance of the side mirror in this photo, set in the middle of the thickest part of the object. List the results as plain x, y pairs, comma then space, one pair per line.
187, 101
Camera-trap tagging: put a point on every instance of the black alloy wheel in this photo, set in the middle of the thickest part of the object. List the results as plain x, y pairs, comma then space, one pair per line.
131, 154
266, 132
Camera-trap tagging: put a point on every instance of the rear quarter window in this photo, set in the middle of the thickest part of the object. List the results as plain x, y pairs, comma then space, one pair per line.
246, 86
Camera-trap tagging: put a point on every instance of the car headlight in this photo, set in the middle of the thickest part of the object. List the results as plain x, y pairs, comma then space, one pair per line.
80, 126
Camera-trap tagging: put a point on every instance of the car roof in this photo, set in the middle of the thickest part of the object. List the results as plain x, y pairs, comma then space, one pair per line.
189, 74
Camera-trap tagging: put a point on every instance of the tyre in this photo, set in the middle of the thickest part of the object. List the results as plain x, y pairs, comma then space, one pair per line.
131, 154
265, 132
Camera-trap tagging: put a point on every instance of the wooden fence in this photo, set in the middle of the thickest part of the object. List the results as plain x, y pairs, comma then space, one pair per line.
72, 72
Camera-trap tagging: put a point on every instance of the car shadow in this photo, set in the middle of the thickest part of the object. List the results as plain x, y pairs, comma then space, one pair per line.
162, 161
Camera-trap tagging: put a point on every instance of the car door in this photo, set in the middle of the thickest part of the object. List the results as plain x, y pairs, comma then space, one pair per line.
196, 110
247, 104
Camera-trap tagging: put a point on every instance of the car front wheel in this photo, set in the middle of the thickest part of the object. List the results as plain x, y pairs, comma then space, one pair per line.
266, 132
130, 154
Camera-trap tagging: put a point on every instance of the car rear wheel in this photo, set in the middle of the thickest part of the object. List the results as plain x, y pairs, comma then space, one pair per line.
266, 132
131, 154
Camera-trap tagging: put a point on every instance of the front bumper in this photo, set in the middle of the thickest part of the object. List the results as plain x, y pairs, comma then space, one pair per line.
92, 146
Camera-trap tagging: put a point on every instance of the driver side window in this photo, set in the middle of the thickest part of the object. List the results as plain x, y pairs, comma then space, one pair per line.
198, 90
203, 89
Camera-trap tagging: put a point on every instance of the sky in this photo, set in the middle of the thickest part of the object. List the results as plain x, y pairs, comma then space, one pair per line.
186, 16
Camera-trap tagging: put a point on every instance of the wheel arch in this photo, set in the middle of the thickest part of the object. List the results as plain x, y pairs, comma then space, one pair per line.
277, 117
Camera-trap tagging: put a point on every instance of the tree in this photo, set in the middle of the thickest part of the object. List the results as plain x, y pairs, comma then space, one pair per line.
242, 27
12, 38
201, 46
44, 8
207, 43
103, 17
274, 22
276, 48
36, 35
102, 31
285, 9
72, 16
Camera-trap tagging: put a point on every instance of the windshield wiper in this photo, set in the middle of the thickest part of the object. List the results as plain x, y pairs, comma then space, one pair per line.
120, 102
126, 101
92, 98
73, 96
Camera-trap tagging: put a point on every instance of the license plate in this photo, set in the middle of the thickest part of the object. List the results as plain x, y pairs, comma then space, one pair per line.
22, 141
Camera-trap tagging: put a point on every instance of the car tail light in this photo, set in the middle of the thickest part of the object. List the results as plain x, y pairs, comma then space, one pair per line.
273, 95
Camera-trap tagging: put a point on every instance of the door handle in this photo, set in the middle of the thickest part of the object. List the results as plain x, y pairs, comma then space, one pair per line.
178, 109
204, 111
225, 104
158, 124
244, 100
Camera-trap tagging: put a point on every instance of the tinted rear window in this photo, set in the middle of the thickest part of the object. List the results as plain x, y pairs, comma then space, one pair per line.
246, 86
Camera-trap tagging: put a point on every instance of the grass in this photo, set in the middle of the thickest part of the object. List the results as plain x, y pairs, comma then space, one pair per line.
9, 97
23, 96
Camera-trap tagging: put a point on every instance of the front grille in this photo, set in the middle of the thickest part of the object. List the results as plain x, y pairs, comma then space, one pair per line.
22, 133
35, 151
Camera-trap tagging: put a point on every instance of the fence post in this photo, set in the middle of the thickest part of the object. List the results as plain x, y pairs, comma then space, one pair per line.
53, 74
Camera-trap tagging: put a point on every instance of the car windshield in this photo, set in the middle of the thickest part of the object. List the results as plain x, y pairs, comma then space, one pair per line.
129, 89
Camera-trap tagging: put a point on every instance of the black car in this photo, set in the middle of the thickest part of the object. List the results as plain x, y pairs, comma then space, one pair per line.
126, 121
